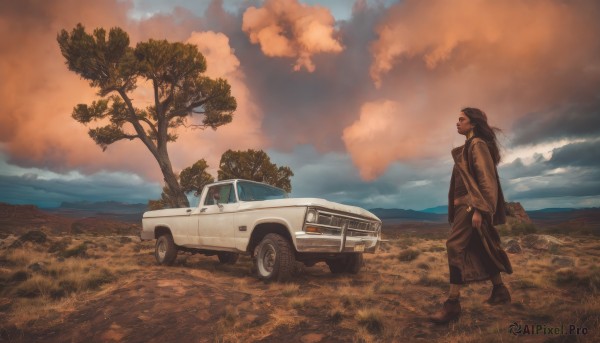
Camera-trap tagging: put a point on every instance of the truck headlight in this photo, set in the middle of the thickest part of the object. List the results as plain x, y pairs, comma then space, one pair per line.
311, 216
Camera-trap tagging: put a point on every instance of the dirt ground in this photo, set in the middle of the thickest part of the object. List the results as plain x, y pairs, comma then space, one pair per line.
200, 300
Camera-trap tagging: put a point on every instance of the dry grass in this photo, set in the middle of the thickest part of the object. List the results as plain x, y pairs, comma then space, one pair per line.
388, 301
42, 279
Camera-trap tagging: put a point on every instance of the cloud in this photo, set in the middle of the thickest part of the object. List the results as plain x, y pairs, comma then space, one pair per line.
385, 132
564, 121
434, 58
332, 176
570, 171
43, 192
287, 28
36, 128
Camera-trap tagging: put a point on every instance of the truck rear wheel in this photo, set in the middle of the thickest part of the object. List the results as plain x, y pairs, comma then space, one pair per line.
228, 257
274, 258
165, 250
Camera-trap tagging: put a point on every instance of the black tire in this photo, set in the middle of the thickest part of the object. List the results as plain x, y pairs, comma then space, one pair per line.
228, 257
274, 258
165, 250
351, 263
355, 263
337, 265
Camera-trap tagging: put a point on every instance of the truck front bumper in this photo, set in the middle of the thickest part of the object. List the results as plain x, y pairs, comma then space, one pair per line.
335, 243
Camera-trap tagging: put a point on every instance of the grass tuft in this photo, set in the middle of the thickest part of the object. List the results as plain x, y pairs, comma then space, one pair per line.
408, 255
371, 319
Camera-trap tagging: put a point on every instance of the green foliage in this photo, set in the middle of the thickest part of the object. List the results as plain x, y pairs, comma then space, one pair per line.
194, 178
254, 165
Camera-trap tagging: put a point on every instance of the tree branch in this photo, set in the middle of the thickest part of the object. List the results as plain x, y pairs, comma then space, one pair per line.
136, 124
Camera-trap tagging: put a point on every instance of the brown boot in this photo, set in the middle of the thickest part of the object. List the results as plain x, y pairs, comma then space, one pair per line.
500, 295
450, 312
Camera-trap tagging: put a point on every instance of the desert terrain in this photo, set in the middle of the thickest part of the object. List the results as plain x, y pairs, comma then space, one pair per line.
90, 285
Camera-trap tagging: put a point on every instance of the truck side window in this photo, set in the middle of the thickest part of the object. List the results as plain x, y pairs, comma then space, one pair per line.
210, 196
225, 195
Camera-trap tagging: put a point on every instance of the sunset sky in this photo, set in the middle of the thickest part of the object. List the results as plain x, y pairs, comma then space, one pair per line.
361, 100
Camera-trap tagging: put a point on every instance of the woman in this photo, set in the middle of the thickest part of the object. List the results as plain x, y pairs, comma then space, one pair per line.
475, 205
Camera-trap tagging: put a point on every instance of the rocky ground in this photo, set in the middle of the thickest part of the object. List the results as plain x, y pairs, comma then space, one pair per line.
62, 288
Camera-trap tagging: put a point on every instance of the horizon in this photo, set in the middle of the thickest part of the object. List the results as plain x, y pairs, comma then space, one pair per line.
364, 115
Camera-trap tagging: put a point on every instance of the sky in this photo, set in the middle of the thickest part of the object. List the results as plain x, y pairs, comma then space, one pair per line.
359, 98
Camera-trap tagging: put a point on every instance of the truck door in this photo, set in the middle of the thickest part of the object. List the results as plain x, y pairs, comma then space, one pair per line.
215, 220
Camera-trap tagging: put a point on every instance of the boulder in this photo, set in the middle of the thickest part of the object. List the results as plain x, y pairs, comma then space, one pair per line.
541, 242
515, 209
513, 247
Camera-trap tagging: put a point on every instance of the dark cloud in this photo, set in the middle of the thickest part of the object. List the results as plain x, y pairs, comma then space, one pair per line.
332, 176
584, 154
31, 189
570, 121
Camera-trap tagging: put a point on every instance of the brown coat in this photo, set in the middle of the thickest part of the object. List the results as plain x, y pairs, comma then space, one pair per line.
480, 177
476, 254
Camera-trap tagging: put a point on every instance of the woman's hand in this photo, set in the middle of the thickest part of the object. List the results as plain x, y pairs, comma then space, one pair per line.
476, 221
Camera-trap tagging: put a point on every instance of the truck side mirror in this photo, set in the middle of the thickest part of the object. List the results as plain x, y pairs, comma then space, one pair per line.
217, 197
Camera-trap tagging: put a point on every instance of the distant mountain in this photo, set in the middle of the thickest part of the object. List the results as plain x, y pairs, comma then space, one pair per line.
408, 215
554, 210
442, 209
104, 206
112, 210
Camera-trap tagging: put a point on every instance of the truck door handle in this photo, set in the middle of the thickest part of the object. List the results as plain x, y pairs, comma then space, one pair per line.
203, 210
188, 210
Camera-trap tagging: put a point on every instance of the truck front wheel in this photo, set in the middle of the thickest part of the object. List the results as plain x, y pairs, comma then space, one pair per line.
274, 258
351, 263
165, 250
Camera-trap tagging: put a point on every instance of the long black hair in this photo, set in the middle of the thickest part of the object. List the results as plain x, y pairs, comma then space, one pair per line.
484, 131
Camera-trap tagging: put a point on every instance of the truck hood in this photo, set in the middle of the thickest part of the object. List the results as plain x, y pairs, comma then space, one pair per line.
305, 202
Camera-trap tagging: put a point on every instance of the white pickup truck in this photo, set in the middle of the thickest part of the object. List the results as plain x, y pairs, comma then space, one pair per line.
240, 216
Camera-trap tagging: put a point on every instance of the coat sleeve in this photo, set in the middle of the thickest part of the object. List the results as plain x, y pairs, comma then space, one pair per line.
485, 173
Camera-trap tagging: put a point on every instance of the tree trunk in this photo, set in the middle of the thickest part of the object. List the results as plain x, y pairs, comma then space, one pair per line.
178, 198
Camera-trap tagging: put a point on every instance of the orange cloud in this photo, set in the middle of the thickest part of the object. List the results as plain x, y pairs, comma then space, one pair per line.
39, 92
433, 58
386, 131
286, 28
446, 31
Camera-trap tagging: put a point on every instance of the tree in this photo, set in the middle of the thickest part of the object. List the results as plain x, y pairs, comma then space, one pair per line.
194, 178
180, 90
254, 165
191, 179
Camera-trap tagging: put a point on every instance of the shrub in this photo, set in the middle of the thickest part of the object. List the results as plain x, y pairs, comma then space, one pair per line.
371, 319
78, 251
407, 255
523, 229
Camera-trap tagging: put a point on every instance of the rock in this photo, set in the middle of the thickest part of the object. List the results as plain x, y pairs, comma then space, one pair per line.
563, 261
513, 247
515, 209
541, 242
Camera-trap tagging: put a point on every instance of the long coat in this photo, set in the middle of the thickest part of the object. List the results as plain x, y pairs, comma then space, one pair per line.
484, 193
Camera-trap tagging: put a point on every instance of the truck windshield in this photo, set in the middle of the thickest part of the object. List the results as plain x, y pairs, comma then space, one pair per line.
250, 191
